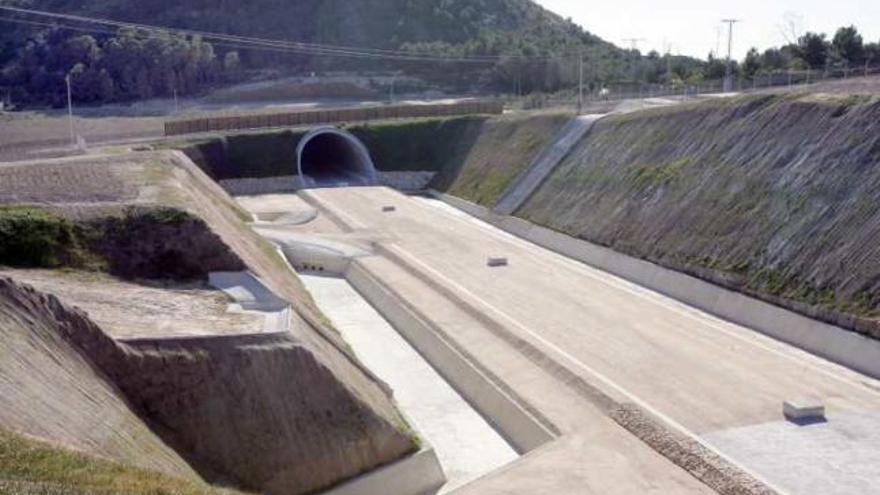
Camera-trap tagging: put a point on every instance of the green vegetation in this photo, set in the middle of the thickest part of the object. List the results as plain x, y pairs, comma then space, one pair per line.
127, 66
29, 467
534, 47
482, 168
814, 51
734, 191
140, 242
35, 237
658, 175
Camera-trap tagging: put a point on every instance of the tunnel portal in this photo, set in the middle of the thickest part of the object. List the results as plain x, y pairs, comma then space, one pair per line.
331, 157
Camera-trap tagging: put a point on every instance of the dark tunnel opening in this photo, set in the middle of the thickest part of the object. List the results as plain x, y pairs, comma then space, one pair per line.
329, 157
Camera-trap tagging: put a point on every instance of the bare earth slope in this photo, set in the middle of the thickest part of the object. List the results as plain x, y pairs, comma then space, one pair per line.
51, 390
289, 413
773, 195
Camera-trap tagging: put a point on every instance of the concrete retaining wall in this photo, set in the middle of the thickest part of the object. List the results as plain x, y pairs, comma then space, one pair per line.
418, 474
831, 342
523, 431
268, 185
402, 181
406, 181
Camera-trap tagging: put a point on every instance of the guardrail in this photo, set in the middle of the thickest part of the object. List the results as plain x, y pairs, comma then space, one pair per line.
311, 117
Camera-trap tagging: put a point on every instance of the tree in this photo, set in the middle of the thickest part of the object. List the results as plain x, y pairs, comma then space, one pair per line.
752, 64
715, 68
813, 48
872, 53
774, 59
848, 45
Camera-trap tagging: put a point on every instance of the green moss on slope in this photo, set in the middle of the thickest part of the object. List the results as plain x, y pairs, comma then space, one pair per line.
771, 195
30, 467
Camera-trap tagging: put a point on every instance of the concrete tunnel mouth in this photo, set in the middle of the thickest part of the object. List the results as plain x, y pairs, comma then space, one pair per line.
331, 157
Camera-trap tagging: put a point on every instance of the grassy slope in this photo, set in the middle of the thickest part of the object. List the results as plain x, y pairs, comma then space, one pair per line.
503, 147
33, 467
771, 195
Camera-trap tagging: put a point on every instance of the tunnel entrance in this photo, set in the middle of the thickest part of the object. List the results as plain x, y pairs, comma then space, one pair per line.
331, 157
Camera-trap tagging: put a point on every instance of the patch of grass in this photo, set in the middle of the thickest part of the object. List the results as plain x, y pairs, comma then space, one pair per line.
497, 153
658, 175
165, 216
36, 238
138, 242
32, 467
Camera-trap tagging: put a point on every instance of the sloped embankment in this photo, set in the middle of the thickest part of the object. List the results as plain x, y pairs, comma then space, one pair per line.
49, 389
287, 413
259, 411
501, 149
775, 196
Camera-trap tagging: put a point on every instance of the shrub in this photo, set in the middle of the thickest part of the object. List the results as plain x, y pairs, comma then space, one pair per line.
35, 238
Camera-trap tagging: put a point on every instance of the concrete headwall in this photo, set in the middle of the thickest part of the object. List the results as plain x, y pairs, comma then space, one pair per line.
402, 181
312, 117
834, 343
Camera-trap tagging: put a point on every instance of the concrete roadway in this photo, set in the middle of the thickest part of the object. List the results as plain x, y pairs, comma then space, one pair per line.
694, 371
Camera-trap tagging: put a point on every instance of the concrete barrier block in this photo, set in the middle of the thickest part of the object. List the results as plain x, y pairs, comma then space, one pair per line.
804, 409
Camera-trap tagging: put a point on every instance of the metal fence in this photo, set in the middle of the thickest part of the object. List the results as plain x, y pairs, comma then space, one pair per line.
330, 116
763, 80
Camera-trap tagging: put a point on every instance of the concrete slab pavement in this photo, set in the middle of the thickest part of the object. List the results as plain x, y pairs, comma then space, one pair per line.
694, 371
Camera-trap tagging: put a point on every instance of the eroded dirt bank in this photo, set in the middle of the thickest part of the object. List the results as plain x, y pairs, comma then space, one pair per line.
283, 413
775, 196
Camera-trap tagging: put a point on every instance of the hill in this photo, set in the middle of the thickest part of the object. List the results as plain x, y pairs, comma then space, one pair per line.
130, 64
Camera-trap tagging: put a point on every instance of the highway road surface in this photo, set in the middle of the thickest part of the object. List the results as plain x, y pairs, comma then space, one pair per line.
569, 338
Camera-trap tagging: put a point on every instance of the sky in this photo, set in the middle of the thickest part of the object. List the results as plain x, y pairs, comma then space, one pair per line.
691, 27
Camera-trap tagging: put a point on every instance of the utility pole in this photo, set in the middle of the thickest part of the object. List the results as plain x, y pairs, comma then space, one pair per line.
391, 94
176, 107
668, 49
728, 78
70, 111
580, 84
634, 50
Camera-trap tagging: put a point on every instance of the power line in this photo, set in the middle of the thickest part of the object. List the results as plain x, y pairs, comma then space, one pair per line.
289, 46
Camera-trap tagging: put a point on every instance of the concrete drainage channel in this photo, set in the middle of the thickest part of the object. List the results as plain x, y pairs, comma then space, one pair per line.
465, 416
464, 442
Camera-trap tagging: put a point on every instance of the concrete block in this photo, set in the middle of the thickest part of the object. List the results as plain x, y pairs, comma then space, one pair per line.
804, 409
389, 209
497, 261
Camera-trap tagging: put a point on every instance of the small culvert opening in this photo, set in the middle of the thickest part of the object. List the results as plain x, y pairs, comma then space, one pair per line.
330, 157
